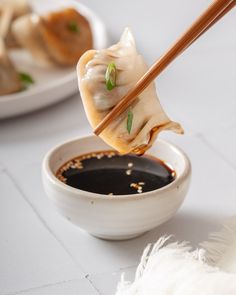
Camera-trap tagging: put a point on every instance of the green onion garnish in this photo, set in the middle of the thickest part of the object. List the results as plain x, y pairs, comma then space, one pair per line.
110, 76
73, 27
129, 121
26, 80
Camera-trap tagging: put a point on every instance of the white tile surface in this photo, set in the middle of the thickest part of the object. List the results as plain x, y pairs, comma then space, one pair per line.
43, 253
1, 166
65, 288
30, 256
213, 184
27, 138
224, 142
201, 100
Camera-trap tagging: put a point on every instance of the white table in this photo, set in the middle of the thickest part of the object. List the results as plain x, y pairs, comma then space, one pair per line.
43, 254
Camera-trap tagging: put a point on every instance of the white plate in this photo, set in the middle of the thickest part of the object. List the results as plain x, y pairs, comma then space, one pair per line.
51, 84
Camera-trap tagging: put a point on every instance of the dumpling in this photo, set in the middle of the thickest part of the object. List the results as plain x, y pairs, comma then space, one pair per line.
9, 78
137, 127
58, 38
19, 8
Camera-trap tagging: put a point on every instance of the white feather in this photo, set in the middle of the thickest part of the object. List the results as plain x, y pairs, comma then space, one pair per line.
175, 269
221, 247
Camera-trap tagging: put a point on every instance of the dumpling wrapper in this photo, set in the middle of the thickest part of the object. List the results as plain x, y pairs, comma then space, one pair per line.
149, 118
50, 38
19, 8
9, 78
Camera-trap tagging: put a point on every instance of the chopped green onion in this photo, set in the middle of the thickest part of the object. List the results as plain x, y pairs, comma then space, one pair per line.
110, 76
129, 121
26, 80
73, 27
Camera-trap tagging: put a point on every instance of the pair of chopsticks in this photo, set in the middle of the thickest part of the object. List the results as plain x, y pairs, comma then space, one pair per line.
207, 19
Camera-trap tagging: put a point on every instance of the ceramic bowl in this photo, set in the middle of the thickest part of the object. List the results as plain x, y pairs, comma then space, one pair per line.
122, 216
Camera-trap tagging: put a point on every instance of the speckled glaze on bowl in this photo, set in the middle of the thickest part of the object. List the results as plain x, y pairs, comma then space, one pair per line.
115, 217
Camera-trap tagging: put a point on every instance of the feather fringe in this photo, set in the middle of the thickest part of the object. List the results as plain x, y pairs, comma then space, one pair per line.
221, 247
176, 268
148, 252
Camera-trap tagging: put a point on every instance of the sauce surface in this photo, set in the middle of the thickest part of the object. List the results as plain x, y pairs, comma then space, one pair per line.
109, 173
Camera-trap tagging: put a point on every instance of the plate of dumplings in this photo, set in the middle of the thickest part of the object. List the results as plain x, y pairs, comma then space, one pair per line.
40, 45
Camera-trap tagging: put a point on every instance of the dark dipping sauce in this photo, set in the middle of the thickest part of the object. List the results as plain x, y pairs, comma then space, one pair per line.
109, 173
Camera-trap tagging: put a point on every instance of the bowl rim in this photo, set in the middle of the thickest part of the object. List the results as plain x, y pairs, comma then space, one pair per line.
47, 173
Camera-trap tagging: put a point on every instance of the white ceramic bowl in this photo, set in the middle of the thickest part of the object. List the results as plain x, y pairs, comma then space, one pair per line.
115, 217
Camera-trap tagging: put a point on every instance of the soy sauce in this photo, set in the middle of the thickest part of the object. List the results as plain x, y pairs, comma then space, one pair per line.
109, 173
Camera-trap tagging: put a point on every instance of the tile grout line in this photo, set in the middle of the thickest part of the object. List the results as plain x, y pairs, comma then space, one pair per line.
215, 150
88, 277
91, 283
43, 287
43, 222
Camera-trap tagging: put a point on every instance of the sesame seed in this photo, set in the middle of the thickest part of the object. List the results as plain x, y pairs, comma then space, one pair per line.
128, 172
134, 185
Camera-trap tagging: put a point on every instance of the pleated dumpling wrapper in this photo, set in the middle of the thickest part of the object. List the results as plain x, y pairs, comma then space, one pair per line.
137, 127
56, 38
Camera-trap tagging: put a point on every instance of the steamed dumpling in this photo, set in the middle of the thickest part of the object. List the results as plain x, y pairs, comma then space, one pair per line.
9, 78
136, 129
19, 8
60, 37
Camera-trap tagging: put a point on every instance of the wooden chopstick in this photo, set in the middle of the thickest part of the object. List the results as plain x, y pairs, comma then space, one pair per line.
196, 30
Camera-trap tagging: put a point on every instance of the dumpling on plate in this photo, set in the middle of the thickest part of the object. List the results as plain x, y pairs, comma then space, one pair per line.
19, 8
57, 38
104, 77
9, 78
